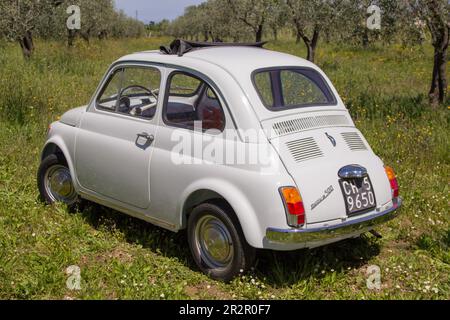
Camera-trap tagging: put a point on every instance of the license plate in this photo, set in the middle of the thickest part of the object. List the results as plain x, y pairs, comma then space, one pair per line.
359, 195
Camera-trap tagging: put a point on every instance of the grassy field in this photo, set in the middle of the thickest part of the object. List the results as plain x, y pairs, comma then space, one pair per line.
123, 258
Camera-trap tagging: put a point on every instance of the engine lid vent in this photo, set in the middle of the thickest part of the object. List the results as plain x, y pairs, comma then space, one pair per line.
304, 149
302, 124
354, 141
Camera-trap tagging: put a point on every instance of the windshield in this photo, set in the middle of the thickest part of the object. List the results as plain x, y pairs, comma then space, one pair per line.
288, 88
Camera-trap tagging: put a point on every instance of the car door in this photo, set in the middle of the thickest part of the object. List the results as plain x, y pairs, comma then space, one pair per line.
114, 145
192, 119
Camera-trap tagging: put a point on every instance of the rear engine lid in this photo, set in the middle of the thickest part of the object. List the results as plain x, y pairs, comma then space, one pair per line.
314, 147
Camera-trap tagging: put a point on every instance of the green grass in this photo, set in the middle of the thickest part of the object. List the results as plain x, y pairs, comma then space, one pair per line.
124, 258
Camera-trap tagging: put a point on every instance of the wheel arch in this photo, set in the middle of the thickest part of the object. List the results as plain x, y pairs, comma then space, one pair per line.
58, 147
51, 148
212, 190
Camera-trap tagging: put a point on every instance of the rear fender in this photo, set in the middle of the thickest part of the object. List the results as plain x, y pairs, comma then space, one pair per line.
238, 201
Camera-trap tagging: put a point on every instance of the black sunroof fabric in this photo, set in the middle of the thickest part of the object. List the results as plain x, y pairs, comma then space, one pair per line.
180, 47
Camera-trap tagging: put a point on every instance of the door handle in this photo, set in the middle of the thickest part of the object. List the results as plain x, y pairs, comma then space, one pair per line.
148, 137
144, 140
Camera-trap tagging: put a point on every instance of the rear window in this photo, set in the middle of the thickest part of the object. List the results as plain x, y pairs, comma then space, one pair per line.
288, 88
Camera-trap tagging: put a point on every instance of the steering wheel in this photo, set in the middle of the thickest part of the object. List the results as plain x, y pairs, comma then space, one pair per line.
135, 86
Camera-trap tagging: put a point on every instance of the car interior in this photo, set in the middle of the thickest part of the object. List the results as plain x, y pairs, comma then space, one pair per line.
190, 102
202, 106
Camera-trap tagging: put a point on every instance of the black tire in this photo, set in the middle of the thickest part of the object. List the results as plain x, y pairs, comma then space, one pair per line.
243, 255
47, 164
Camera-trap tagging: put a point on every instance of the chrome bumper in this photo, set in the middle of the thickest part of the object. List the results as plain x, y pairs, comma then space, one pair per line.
297, 236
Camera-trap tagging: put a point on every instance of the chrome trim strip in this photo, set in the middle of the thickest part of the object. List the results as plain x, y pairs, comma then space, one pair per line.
293, 236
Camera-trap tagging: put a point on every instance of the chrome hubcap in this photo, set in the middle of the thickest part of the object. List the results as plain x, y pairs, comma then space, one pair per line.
59, 186
214, 242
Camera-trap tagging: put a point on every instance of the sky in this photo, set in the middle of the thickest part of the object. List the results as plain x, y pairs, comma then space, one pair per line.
155, 10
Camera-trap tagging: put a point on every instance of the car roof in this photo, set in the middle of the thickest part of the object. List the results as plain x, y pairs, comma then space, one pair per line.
238, 61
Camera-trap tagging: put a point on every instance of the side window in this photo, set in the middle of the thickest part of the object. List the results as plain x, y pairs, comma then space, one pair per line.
192, 102
184, 86
264, 84
108, 97
132, 91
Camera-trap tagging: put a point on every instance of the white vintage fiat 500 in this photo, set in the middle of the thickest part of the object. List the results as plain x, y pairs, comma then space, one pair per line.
244, 147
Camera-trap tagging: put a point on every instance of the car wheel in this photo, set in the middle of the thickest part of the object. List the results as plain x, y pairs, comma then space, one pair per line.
217, 242
55, 182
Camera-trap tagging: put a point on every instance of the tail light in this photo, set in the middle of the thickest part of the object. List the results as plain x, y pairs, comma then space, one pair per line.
393, 181
293, 203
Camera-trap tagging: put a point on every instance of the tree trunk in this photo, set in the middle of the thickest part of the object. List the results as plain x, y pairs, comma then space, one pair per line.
440, 31
27, 44
71, 34
438, 91
311, 52
314, 42
275, 33
86, 37
298, 31
311, 45
103, 35
259, 33
365, 38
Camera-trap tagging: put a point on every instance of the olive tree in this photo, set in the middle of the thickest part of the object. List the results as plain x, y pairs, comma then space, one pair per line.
19, 19
209, 20
255, 14
97, 19
279, 19
436, 15
310, 18
222, 23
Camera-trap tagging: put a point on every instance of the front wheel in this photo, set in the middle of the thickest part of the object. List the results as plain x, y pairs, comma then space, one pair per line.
55, 182
217, 242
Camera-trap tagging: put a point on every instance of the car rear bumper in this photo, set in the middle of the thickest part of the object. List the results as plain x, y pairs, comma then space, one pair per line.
315, 235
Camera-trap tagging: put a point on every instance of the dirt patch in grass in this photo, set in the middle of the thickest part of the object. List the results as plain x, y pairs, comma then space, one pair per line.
119, 254
204, 290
